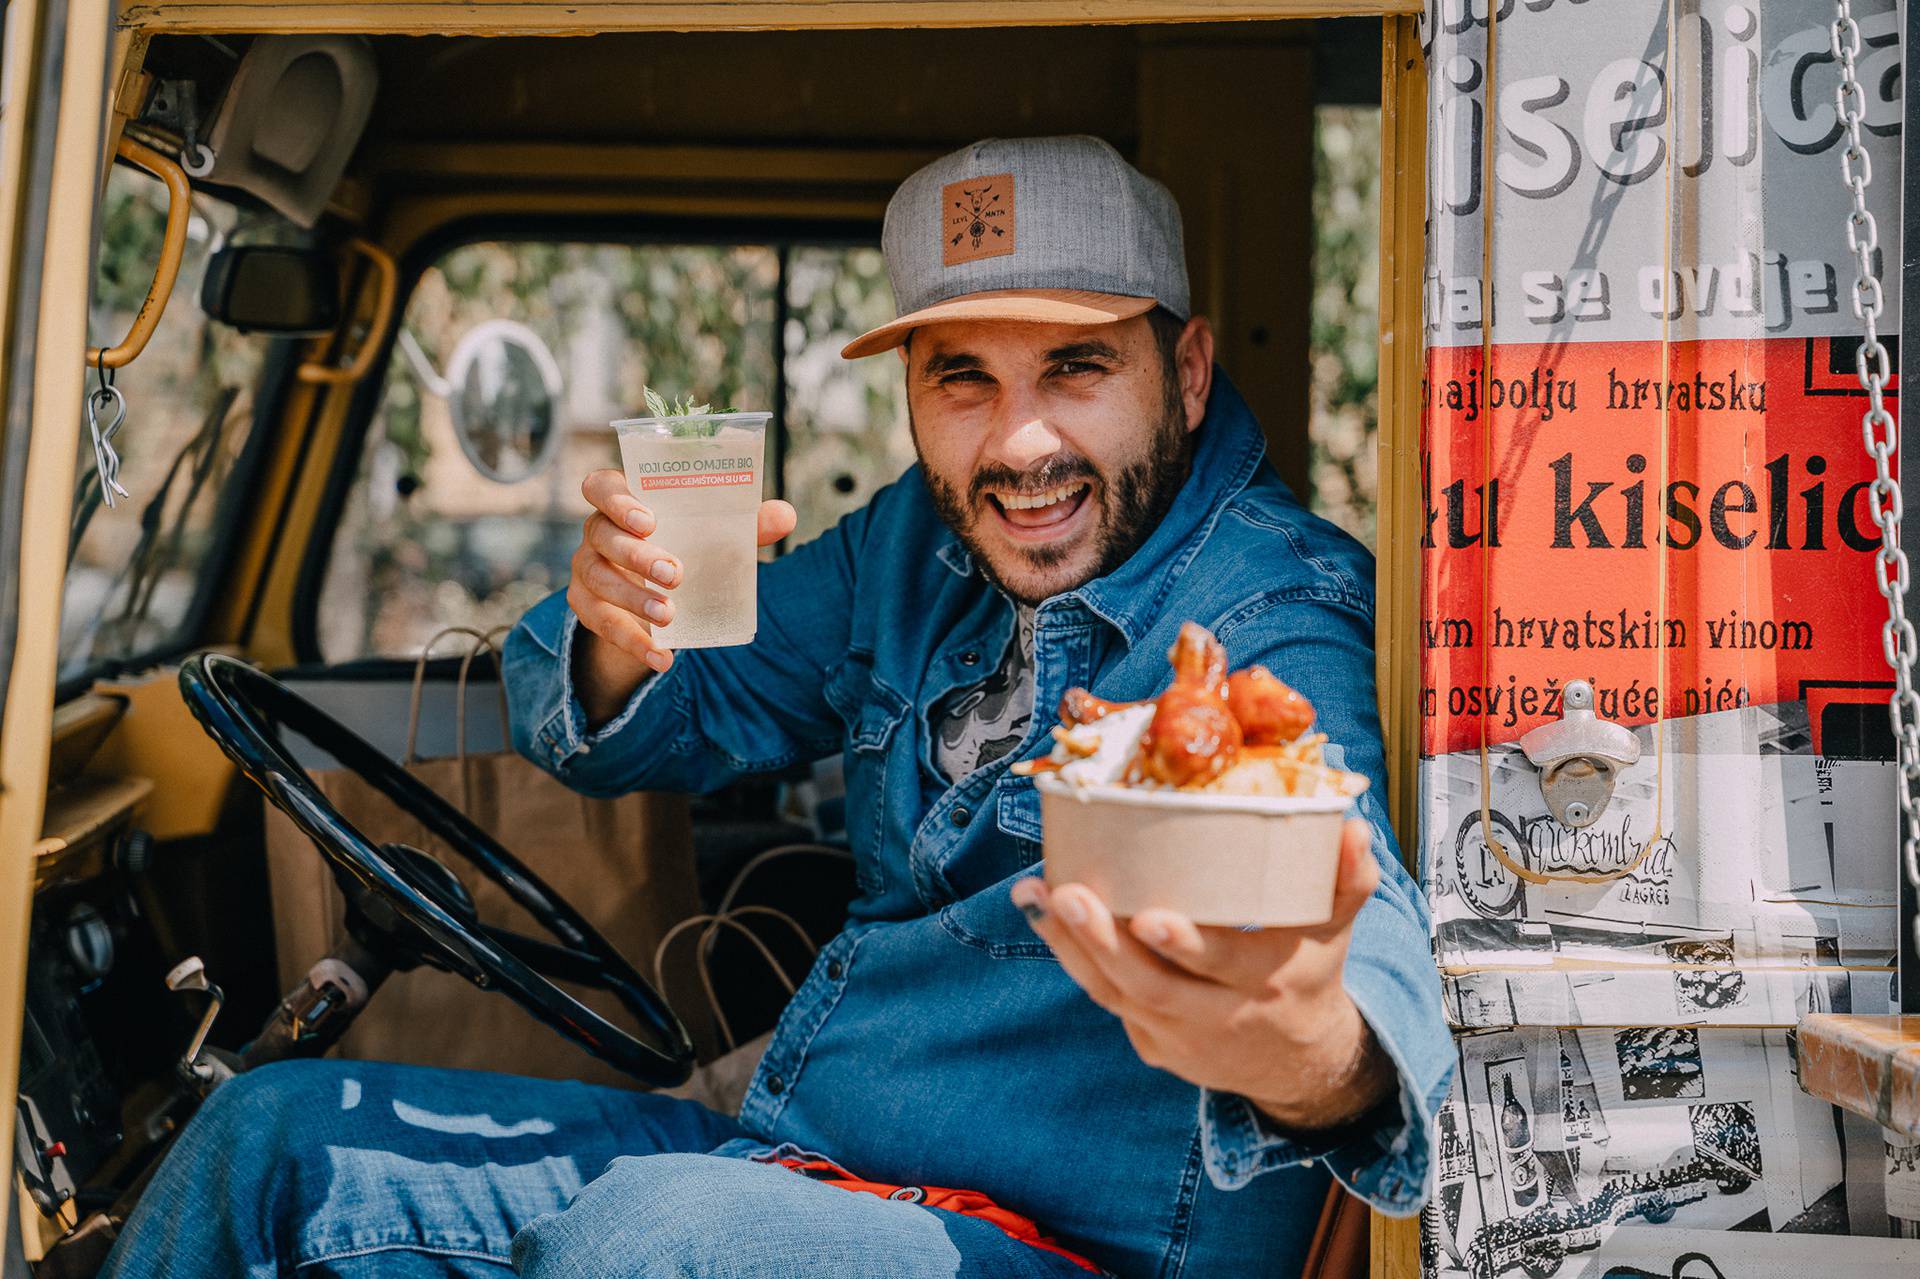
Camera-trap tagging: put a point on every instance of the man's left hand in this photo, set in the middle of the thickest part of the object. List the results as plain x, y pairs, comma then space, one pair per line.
1263, 1014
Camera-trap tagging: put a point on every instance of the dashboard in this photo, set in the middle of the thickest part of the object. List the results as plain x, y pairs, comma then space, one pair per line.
100, 1031
67, 1121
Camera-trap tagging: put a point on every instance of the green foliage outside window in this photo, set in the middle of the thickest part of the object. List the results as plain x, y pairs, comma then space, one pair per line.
1346, 309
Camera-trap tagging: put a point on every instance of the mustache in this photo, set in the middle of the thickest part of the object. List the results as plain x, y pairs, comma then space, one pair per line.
1061, 468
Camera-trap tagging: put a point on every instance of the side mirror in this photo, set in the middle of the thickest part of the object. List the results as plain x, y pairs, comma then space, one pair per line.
503, 394
271, 288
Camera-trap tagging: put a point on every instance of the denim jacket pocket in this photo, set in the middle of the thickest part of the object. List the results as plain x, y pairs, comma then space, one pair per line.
873, 714
1018, 802
990, 921
874, 725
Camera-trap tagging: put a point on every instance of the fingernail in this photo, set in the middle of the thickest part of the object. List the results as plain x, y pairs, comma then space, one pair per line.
1032, 911
640, 520
666, 572
657, 659
1153, 932
1071, 909
657, 612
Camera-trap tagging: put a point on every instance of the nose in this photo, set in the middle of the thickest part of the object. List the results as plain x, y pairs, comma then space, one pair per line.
1026, 444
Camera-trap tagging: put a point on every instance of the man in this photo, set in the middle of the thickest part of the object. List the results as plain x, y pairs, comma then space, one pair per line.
1142, 1096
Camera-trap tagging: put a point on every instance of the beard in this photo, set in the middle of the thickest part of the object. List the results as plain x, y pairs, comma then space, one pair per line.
1133, 499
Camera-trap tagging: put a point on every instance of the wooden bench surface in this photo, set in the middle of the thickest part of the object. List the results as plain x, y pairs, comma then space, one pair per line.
1869, 1065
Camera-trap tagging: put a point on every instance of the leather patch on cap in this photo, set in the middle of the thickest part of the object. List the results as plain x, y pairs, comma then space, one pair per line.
976, 219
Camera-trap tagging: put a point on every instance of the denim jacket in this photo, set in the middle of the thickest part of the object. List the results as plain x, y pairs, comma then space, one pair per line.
936, 1040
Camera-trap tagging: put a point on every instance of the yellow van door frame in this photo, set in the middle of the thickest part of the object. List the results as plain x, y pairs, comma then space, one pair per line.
580, 17
1400, 507
60, 56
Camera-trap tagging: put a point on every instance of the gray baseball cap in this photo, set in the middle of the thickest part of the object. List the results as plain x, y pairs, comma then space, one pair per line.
1048, 230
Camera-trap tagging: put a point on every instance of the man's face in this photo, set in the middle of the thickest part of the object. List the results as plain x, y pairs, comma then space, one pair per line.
1053, 450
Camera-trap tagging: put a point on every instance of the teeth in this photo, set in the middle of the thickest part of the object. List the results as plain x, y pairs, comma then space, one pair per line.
1035, 501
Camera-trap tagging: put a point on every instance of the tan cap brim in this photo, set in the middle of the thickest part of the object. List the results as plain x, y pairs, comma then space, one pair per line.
1035, 306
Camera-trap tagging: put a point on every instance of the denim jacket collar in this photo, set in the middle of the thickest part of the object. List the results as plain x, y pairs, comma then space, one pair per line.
1228, 447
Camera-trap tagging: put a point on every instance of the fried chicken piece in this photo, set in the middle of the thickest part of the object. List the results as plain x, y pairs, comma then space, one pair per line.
1270, 713
1193, 737
1078, 706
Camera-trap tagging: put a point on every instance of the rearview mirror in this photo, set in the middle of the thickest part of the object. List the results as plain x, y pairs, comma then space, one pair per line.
503, 394
272, 288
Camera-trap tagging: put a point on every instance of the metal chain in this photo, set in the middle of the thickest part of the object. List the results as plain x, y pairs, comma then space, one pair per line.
1881, 434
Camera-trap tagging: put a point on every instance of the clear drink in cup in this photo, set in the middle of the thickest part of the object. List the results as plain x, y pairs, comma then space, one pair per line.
700, 476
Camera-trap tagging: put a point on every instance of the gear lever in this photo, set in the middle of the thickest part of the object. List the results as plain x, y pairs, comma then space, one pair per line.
197, 1067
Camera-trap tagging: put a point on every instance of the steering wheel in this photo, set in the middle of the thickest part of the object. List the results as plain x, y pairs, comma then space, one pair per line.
420, 906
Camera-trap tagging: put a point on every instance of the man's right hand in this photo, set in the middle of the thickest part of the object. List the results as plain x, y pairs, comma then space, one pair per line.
619, 589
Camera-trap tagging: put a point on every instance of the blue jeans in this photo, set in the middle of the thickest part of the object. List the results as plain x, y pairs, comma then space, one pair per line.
345, 1169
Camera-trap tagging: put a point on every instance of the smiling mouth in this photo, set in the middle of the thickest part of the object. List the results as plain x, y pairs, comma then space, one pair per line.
1043, 514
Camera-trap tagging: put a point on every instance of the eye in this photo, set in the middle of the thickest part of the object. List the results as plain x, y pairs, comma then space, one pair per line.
963, 375
1078, 368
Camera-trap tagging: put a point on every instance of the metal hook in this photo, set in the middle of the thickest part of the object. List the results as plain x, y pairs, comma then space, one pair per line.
106, 459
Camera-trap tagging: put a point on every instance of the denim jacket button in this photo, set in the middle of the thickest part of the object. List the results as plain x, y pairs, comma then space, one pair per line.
970, 658
776, 1085
834, 970
961, 816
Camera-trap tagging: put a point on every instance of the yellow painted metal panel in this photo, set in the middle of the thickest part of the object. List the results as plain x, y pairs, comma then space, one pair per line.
1396, 1248
832, 168
159, 739
23, 22
1403, 170
554, 17
1233, 157
20, 78
26, 728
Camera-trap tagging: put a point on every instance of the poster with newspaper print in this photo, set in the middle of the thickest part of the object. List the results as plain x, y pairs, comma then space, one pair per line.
1769, 861
1642, 468
1561, 1148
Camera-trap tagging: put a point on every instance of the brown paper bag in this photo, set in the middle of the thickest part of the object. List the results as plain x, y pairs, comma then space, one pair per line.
721, 1084
626, 864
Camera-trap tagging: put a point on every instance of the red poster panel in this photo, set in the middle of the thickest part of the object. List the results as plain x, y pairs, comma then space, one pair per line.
1759, 509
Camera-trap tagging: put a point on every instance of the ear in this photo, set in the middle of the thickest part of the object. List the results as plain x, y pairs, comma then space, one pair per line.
1193, 359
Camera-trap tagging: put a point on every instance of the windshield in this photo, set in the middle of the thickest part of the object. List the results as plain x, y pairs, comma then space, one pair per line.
139, 572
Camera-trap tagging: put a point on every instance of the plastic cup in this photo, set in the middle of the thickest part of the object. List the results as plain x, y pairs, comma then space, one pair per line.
701, 478
1217, 859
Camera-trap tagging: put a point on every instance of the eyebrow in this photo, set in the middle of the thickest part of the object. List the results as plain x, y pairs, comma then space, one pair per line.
1086, 349
941, 362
